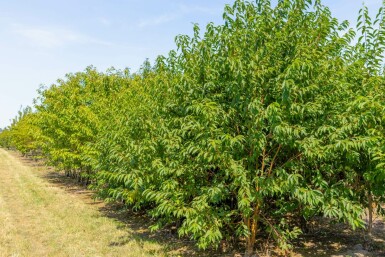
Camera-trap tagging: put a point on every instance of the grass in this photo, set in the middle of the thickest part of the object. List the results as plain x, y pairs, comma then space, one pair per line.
43, 213
38, 218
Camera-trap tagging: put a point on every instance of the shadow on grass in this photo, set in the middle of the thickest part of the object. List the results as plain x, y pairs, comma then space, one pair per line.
136, 223
328, 238
324, 239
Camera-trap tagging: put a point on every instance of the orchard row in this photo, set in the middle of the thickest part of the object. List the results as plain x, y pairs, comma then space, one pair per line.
246, 131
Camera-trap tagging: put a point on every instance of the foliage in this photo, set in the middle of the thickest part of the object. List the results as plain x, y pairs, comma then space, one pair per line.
23, 135
251, 127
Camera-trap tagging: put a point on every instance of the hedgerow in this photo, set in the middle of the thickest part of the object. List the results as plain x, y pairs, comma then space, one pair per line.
248, 129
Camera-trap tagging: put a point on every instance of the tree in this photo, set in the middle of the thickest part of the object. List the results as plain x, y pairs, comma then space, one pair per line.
249, 128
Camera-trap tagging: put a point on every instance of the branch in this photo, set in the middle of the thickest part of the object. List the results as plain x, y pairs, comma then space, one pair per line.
273, 161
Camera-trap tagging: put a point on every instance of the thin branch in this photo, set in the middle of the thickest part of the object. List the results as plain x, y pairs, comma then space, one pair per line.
273, 161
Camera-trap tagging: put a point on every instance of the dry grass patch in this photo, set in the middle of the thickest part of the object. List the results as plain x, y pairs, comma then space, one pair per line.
39, 219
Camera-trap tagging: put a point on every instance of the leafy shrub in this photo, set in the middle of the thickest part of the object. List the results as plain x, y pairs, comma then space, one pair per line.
248, 128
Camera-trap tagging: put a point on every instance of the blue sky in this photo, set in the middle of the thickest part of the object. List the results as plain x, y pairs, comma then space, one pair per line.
42, 40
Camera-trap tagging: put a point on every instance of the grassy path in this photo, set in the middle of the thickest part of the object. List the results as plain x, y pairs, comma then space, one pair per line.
39, 219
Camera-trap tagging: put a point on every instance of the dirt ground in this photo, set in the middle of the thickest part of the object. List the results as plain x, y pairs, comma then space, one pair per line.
128, 231
338, 240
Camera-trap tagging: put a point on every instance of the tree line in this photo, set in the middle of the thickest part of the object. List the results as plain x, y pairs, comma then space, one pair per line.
246, 131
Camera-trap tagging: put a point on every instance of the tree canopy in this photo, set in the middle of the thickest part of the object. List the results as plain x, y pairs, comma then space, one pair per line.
250, 127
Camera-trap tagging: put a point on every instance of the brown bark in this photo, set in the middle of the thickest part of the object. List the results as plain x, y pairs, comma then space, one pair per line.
370, 210
252, 223
273, 161
253, 228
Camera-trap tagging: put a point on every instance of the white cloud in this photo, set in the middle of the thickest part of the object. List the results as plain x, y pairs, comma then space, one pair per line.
186, 9
182, 10
105, 21
51, 37
157, 20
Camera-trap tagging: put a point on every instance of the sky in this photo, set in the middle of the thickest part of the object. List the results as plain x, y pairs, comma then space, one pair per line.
42, 40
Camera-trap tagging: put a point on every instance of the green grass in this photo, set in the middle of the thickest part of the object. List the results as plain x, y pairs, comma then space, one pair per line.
39, 219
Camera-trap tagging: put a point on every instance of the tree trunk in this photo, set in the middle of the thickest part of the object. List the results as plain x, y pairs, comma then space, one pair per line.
252, 224
370, 210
